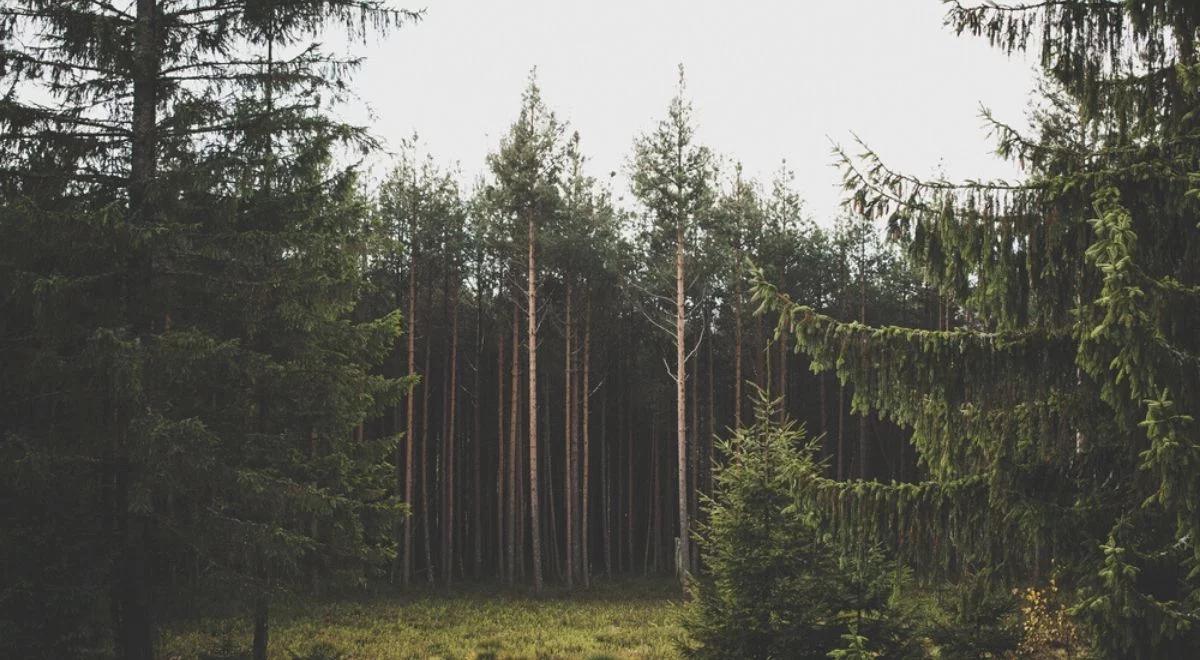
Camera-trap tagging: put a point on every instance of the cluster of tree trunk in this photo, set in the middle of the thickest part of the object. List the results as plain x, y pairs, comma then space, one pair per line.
596, 485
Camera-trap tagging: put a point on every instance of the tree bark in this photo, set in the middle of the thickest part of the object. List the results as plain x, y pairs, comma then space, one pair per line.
606, 491
783, 376
410, 406
426, 508
841, 435
681, 403
706, 454
477, 435
134, 623
514, 490
737, 352
550, 515
693, 458
864, 457
535, 530
501, 462
568, 445
630, 513
586, 394
449, 461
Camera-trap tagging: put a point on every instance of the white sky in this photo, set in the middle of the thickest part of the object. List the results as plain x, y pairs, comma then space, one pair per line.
769, 79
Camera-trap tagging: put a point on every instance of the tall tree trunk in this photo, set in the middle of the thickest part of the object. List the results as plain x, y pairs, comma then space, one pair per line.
134, 623
824, 405
694, 457
681, 403
535, 530
783, 376
568, 446
586, 394
514, 490
550, 515
706, 454
841, 434
606, 491
864, 457
501, 462
477, 435
760, 363
449, 460
410, 427
652, 505
426, 508
630, 514
737, 351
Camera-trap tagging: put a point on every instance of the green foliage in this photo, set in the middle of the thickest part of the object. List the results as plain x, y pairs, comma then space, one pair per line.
182, 360
979, 622
775, 584
673, 178
1061, 412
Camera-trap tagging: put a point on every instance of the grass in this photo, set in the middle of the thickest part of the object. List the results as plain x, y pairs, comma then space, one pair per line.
622, 619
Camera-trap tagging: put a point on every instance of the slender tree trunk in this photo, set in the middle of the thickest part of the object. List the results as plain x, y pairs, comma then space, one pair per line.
501, 462
864, 457
514, 490
760, 361
706, 454
783, 376
550, 515
477, 435
693, 458
535, 531
410, 430
737, 352
426, 508
681, 403
824, 405
568, 446
134, 623
630, 513
586, 394
449, 460
522, 505
841, 435
606, 492
652, 506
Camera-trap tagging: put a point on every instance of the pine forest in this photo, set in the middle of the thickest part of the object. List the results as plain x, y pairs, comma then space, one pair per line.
272, 386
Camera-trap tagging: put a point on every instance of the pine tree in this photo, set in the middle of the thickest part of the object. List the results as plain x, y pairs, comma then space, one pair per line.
526, 171
737, 223
673, 179
418, 205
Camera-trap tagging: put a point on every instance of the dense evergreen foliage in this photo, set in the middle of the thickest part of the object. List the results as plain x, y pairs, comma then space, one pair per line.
1056, 425
776, 585
183, 366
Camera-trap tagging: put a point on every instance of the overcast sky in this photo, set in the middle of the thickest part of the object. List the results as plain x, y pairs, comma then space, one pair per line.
769, 79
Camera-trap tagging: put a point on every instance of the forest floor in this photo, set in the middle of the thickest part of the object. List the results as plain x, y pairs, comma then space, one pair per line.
617, 619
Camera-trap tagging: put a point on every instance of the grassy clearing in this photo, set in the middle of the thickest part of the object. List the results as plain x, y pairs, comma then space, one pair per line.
620, 619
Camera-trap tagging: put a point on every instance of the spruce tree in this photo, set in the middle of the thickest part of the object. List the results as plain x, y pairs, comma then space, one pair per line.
205, 361
1055, 423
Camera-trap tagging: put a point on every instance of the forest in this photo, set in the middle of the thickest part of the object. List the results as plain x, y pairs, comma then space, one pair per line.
256, 402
